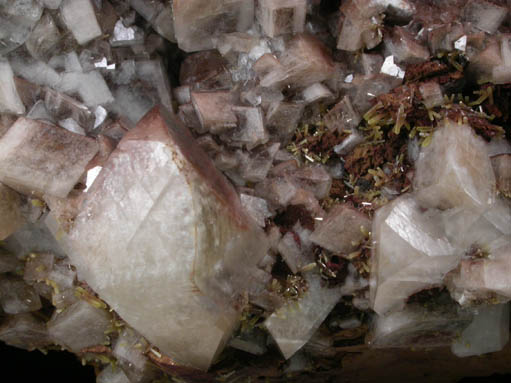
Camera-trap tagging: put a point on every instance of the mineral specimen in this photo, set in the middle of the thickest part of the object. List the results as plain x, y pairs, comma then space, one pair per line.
240, 190
183, 225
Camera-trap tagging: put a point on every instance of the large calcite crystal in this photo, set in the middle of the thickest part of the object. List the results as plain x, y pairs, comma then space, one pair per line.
163, 239
411, 253
455, 170
40, 158
197, 21
278, 17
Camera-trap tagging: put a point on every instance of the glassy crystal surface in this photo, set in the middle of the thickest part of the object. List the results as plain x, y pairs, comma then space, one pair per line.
17, 18
294, 324
455, 170
80, 325
488, 332
36, 157
24, 331
411, 253
10, 101
281, 17
197, 21
170, 257
80, 19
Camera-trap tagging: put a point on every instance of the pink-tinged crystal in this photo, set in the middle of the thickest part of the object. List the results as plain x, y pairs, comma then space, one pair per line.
342, 230
215, 110
24, 331
278, 17
502, 168
39, 158
179, 251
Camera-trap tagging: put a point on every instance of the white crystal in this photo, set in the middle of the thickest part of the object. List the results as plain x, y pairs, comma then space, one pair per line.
455, 170
10, 101
112, 375
80, 325
390, 68
411, 253
167, 255
488, 332
79, 17
36, 157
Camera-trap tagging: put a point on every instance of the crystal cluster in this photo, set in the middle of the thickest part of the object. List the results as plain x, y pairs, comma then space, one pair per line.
185, 182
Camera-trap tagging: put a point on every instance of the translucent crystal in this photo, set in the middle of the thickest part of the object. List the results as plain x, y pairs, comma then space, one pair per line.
431, 94
80, 19
253, 342
316, 92
196, 21
419, 326
39, 158
214, 110
10, 101
342, 230
126, 36
44, 38
282, 119
17, 19
11, 215
342, 116
129, 352
256, 207
405, 48
8, 262
484, 15
38, 267
279, 17
80, 325
294, 324
112, 375
250, 131
411, 253
454, 170
24, 331
16, 297
293, 252
502, 168
488, 332
183, 307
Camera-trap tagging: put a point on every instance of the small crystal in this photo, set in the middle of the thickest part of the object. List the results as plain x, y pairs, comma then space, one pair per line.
294, 324
16, 297
342, 230
112, 375
79, 17
342, 116
214, 110
484, 15
196, 21
24, 331
278, 17
80, 325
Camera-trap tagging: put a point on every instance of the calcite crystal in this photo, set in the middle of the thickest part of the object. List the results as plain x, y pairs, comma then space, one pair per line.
39, 158
412, 253
465, 177
230, 190
186, 251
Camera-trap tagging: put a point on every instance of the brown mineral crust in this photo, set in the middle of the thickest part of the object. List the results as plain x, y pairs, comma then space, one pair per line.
422, 71
481, 125
99, 349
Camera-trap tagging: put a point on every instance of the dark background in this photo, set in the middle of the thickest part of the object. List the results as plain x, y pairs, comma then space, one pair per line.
22, 366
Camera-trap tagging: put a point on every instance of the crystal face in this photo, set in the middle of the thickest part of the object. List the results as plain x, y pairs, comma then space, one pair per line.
185, 253
240, 190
